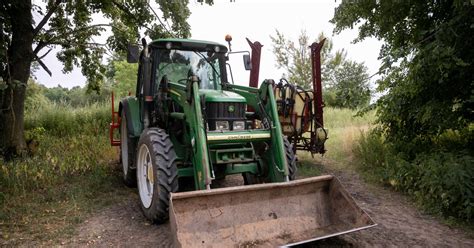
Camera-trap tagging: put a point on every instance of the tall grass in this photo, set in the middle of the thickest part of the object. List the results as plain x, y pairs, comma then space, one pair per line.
62, 119
72, 167
69, 142
344, 128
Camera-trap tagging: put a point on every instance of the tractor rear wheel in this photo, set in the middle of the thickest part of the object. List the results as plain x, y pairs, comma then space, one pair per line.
157, 173
127, 154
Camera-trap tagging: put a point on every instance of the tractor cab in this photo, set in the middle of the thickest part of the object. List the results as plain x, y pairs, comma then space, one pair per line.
175, 62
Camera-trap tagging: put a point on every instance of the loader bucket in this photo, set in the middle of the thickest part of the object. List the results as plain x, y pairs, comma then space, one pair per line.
265, 215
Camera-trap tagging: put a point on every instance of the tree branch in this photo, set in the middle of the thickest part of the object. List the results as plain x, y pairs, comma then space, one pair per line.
43, 43
46, 18
126, 11
43, 65
80, 29
44, 55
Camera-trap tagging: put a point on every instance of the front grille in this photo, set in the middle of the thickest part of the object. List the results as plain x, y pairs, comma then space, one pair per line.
224, 111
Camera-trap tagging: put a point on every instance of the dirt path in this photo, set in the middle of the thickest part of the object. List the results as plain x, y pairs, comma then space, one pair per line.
400, 224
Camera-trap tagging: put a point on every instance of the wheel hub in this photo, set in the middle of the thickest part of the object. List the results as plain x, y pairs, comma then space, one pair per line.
145, 176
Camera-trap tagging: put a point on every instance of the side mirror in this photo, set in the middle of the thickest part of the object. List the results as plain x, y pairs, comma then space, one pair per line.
247, 62
132, 53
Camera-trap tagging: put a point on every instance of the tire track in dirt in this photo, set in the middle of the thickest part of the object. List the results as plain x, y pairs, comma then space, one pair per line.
122, 225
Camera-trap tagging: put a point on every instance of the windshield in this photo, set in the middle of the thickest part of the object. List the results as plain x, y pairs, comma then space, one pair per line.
179, 65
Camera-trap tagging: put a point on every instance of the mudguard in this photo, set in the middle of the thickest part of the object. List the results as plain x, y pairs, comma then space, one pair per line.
131, 107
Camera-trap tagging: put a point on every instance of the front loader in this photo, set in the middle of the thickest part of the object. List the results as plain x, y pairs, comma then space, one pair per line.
188, 127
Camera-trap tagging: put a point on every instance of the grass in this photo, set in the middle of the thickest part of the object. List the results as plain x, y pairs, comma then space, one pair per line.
72, 173
344, 128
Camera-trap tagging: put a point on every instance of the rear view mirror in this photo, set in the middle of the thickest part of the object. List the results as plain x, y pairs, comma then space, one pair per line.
247, 62
132, 53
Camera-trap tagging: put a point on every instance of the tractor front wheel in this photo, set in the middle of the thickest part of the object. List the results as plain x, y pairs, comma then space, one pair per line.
250, 178
290, 158
157, 173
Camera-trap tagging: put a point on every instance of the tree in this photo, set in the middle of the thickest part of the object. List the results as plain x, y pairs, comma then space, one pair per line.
428, 64
123, 78
68, 25
348, 86
345, 82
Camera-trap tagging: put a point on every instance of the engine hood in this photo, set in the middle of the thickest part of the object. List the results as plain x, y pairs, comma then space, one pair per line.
221, 96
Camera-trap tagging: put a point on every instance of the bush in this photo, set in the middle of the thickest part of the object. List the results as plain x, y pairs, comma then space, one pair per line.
439, 180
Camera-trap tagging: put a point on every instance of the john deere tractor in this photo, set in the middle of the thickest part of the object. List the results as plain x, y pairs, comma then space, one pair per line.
188, 126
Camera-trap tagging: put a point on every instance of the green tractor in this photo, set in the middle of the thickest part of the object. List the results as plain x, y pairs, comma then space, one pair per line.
189, 126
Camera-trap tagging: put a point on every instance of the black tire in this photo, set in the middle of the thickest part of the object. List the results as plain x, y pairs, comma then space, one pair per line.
250, 178
164, 173
290, 158
127, 158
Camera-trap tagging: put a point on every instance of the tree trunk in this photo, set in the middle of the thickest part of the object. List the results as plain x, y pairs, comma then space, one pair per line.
12, 100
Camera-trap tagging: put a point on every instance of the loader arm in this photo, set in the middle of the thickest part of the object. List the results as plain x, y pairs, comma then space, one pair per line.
194, 119
262, 100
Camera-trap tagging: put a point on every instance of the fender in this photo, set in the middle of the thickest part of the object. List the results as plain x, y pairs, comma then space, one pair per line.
131, 109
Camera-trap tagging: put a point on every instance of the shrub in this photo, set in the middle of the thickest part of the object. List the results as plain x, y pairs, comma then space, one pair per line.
439, 180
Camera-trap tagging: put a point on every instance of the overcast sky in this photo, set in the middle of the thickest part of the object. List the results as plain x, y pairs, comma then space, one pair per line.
257, 20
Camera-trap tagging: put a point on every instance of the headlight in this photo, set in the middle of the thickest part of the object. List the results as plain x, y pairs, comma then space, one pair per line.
238, 125
222, 126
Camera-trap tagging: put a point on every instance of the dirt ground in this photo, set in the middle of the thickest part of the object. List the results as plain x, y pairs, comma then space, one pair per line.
400, 224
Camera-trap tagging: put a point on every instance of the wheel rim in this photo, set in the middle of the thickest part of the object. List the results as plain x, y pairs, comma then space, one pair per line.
145, 176
124, 146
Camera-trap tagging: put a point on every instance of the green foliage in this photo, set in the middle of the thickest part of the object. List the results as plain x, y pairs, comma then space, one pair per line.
295, 59
427, 66
425, 138
440, 181
35, 96
349, 87
39, 96
345, 82
124, 78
